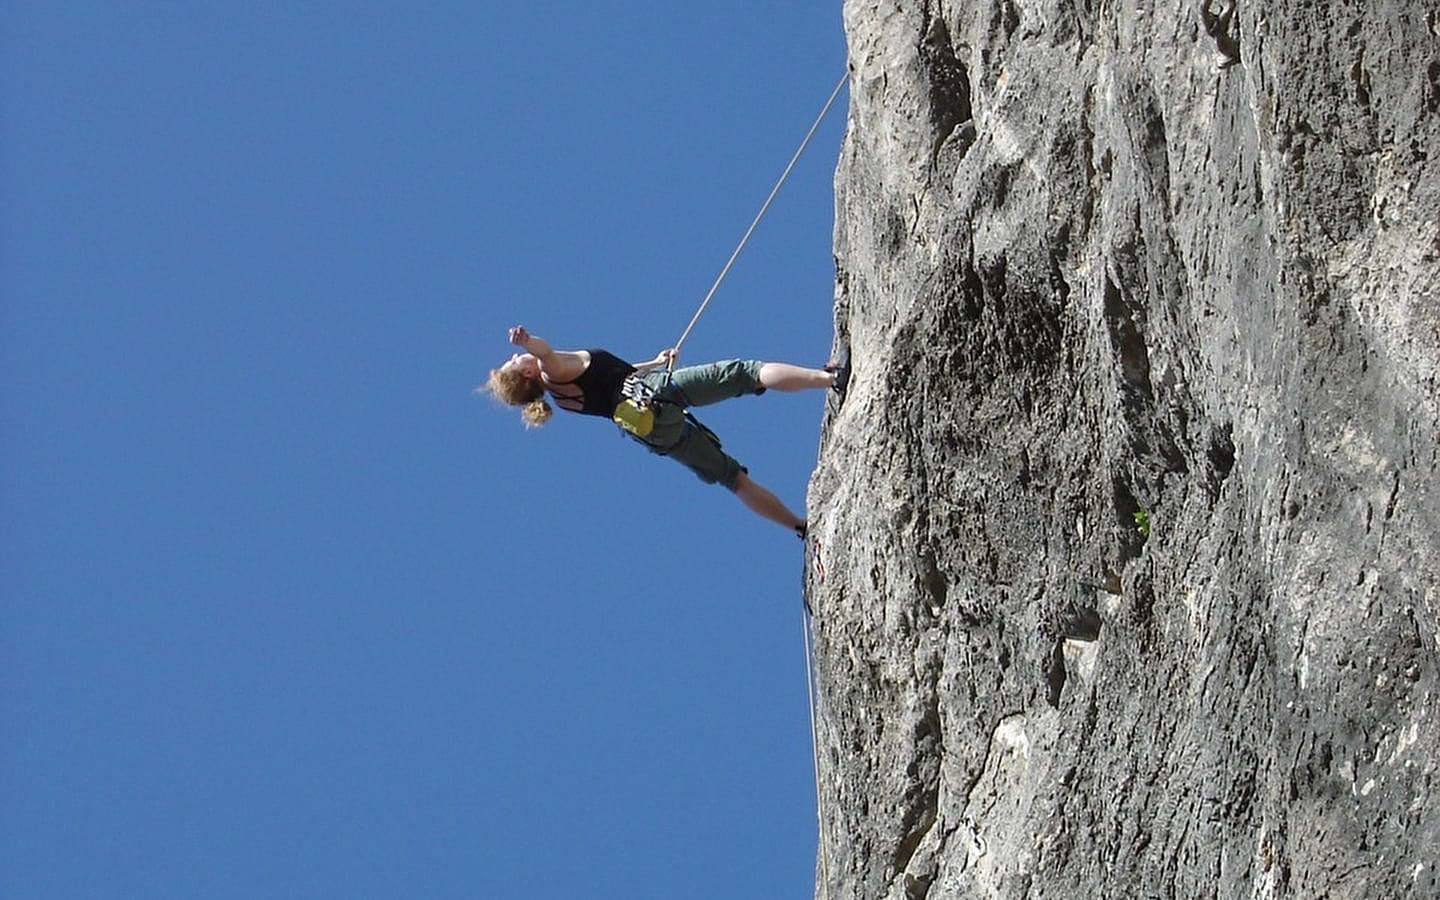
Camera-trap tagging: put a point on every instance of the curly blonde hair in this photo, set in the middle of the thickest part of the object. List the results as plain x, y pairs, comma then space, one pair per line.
514, 389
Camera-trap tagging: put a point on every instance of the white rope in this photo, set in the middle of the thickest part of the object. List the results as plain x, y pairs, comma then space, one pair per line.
808, 634
760, 215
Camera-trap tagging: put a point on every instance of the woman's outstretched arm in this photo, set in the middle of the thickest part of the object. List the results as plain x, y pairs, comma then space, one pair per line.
555, 365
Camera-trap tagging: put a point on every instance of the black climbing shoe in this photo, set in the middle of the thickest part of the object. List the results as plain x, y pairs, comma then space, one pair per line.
840, 367
800, 531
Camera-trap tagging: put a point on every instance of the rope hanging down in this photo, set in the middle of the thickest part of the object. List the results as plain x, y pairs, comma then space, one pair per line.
760, 215
824, 873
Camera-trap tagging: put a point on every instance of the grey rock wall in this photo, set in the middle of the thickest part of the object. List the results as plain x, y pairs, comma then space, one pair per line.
1129, 530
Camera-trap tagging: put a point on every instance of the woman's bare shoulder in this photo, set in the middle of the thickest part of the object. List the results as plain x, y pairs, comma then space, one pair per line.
566, 365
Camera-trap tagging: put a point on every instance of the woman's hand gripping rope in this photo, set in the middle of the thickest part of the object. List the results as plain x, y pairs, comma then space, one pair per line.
665, 358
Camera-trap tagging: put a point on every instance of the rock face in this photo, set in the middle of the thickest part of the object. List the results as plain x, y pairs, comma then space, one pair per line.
1130, 524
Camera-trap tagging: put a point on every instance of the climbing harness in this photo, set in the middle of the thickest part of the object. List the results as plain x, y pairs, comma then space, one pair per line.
760, 215
640, 402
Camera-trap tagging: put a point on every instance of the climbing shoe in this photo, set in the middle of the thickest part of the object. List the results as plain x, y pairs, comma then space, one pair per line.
840, 368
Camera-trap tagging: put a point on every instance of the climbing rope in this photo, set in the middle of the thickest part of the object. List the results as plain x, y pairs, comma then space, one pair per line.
809, 635
760, 215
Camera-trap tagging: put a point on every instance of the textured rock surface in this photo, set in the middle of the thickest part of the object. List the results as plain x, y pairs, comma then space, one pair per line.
1088, 270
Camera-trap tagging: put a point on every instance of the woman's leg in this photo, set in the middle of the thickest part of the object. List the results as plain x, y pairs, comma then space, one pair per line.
785, 377
765, 503
706, 384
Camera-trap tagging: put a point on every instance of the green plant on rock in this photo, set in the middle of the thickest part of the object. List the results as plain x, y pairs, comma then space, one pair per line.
1142, 522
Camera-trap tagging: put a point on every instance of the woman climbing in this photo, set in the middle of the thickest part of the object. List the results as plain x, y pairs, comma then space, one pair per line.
651, 403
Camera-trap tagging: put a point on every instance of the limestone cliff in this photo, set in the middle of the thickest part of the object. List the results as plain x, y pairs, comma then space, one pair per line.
1129, 528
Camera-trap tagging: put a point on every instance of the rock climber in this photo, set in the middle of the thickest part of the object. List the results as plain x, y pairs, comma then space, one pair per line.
597, 383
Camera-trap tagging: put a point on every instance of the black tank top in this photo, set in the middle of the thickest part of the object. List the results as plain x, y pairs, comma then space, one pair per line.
599, 385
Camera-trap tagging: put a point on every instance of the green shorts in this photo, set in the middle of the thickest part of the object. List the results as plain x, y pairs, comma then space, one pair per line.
684, 439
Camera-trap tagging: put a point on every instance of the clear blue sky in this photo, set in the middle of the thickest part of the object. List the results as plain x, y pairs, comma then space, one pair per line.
288, 611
